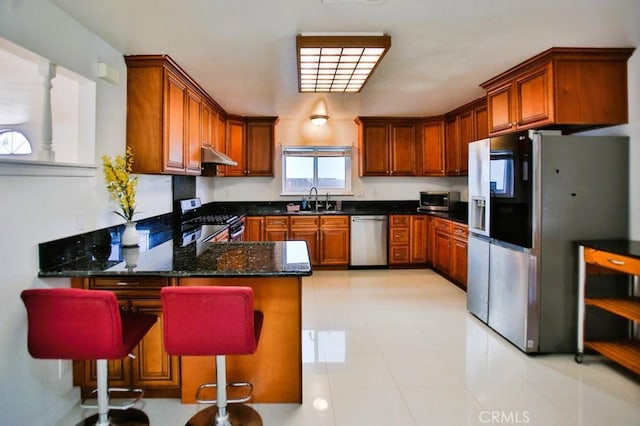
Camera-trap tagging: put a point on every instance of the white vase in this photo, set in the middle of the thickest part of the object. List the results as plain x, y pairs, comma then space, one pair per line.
130, 257
129, 237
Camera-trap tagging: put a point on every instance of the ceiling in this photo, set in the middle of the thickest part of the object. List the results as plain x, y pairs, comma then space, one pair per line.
242, 52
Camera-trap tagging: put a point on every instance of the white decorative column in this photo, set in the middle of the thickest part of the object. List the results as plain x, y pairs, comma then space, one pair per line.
46, 153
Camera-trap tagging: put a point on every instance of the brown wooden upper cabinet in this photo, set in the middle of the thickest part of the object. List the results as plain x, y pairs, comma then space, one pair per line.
250, 142
387, 146
164, 116
170, 117
214, 134
433, 146
463, 125
565, 88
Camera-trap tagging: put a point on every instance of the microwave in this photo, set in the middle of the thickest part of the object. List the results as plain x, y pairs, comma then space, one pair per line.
435, 201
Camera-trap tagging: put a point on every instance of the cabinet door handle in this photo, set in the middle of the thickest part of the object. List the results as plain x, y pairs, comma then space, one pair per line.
124, 283
616, 262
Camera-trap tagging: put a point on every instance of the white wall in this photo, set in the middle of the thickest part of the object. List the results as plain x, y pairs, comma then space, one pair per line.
38, 209
633, 131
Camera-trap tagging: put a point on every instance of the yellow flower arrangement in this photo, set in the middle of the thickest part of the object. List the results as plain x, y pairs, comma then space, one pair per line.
120, 184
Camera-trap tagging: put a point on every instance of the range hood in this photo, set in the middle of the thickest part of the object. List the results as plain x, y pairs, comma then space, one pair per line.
210, 155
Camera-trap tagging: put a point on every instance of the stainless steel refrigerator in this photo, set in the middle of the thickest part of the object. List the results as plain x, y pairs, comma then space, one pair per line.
531, 194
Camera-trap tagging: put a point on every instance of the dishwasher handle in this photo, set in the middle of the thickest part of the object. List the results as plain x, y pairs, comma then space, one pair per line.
368, 219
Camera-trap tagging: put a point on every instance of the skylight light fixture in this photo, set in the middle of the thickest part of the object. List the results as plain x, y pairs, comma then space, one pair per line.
338, 62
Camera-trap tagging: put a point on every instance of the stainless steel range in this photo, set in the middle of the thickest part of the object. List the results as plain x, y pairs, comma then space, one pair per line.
196, 226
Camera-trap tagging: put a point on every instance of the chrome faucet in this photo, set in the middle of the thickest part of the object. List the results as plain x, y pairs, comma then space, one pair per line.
316, 199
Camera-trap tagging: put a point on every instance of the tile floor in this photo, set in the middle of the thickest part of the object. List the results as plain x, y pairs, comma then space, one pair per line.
397, 347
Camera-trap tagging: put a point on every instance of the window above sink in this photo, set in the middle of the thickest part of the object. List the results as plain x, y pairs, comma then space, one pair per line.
328, 168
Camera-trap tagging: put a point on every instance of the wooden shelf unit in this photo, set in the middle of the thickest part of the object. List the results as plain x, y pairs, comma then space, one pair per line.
625, 352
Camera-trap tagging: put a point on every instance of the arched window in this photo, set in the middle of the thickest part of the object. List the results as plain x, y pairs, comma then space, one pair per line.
13, 142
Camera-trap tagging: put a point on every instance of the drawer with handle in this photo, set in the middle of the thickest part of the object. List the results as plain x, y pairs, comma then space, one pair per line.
627, 265
128, 282
460, 231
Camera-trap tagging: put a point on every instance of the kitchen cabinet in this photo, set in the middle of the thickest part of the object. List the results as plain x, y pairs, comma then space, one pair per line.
334, 241
327, 238
464, 125
260, 146
153, 370
164, 118
480, 120
254, 228
407, 240
213, 133
453, 159
169, 117
433, 147
250, 142
431, 240
235, 146
193, 142
442, 256
399, 239
387, 147
568, 88
276, 228
418, 232
307, 228
459, 254
450, 250
596, 261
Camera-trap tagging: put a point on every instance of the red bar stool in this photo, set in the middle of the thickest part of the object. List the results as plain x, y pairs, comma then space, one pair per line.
69, 323
210, 320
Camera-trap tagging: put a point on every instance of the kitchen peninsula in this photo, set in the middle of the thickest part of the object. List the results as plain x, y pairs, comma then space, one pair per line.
274, 271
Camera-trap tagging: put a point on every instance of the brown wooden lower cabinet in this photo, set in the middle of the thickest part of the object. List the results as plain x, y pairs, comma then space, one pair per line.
442, 260
275, 369
450, 249
152, 369
459, 254
276, 228
306, 228
419, 235
254, 228
408, 240
399, 230
327, 237
334, 241
431, 240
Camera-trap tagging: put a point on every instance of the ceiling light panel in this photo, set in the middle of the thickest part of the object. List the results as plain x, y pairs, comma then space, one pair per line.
340, 63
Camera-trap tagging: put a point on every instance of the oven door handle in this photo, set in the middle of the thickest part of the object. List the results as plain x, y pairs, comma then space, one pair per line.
237, 234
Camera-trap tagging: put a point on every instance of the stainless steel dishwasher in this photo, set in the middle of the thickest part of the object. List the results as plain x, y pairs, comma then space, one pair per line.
369, 240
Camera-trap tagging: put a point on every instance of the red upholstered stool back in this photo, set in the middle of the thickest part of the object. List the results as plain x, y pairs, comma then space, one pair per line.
68, 323
210, 320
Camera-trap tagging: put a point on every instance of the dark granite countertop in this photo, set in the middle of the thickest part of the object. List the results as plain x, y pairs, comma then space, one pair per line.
349, 208
164, 251
221, 259
628, 248
167, 252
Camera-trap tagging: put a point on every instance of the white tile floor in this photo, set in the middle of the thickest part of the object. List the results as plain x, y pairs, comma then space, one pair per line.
397, 347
